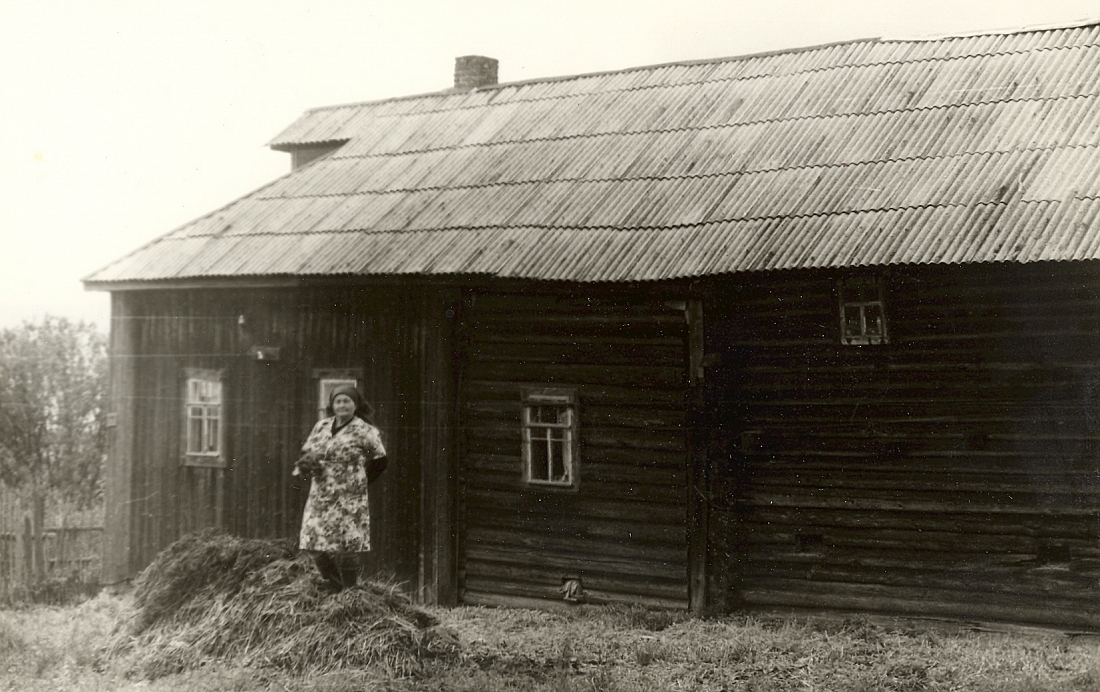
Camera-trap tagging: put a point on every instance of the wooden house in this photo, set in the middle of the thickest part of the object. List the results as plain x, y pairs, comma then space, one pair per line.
810, 329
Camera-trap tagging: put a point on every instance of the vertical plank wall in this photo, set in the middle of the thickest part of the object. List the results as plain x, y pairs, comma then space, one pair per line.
623, 531
953, 471
395, 338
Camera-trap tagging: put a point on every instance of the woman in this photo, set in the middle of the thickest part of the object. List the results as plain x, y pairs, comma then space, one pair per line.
342, 455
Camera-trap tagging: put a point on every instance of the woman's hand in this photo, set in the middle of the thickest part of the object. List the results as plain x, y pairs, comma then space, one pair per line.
307, 466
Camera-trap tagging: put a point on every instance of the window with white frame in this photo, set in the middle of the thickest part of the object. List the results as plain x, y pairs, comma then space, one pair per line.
204, 429
862, 311
550, 438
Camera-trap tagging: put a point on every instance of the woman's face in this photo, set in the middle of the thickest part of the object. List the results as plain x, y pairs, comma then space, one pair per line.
343, 406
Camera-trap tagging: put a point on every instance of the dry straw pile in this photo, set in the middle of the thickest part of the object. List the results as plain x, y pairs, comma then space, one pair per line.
212, 597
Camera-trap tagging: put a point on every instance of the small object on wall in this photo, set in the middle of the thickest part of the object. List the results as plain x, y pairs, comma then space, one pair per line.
572, 590
264, 352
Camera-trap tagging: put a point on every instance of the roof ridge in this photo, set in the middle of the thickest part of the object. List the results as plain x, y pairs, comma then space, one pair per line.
1075, 24
583, 75
1007, 31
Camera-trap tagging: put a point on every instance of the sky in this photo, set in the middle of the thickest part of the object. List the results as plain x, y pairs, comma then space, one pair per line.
121, 120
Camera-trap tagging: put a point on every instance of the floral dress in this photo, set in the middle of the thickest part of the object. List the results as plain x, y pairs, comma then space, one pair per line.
337, 515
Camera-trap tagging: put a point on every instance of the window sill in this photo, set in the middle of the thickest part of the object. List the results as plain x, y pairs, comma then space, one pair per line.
201, 461
549, 487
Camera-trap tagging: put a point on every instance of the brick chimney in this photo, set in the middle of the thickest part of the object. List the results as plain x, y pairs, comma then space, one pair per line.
473, 71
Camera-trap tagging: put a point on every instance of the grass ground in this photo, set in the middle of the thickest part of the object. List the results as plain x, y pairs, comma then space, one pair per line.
593, 649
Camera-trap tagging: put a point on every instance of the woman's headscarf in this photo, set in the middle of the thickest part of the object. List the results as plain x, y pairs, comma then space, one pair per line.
362, 408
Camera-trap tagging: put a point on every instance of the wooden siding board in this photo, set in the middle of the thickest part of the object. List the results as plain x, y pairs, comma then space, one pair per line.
535, 520
914, 601
503, 466
482, 390
520, 581
611, 508
559, 564
485, 598
958, 538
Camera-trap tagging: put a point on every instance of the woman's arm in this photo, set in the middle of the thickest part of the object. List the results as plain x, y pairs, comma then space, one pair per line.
375, 467
308, 464
374, 452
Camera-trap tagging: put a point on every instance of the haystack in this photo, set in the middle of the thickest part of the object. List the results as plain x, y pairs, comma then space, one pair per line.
212, 597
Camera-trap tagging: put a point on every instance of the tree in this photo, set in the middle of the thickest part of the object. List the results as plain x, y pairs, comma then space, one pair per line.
53, 381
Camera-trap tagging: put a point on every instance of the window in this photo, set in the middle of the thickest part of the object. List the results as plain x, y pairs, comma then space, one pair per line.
862, 313
203, 426
550, 438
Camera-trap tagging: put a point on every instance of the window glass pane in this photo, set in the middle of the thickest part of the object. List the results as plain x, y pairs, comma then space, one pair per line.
539, 459
874, 321
545, 415
852, 326
212, 436
194, 435
557, 463
204, 391
565, 416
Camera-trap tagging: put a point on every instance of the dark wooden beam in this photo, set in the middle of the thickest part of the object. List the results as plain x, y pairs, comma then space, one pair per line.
118, 476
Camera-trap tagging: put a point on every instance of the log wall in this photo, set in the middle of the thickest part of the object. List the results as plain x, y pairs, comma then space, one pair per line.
953, 471
623, 530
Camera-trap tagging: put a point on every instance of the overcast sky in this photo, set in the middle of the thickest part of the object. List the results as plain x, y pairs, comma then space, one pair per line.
121, 120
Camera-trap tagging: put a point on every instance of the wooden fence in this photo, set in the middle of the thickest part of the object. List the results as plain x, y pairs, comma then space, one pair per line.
70, 550
72, 553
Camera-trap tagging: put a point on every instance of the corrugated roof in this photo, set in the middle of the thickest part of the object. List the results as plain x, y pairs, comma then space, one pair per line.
980, 148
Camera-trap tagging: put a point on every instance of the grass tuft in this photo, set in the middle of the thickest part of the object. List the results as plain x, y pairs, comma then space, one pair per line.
12, 642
